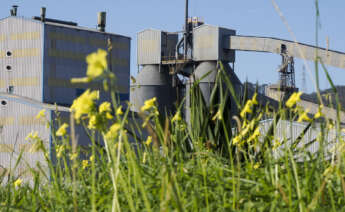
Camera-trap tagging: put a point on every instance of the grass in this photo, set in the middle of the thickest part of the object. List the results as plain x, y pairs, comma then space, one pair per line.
217, 162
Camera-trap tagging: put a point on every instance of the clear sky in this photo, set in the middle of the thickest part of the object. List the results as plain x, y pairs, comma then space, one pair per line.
248, 17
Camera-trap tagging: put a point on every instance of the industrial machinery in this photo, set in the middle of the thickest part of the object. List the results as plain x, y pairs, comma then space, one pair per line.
200, 48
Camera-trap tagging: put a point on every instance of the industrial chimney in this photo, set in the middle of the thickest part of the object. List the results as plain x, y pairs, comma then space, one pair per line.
43, 14
101, 21
14, 10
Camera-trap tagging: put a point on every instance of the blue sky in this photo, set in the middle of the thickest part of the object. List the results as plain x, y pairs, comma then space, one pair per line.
248, 17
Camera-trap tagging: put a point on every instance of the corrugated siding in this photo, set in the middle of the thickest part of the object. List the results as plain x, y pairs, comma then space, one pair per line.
65, 51
22, 70
206, 43
17, 120
291, 131
80, 132
209, 42
149, 47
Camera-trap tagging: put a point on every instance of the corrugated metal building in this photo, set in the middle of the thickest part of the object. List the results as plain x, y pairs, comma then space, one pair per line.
37, 60
289, 131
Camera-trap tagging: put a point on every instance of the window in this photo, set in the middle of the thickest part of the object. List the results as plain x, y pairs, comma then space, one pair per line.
9, 54
10, 89
3, 102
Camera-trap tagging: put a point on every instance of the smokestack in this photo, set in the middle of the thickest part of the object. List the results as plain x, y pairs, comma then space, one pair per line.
14, 10
43, 14
101, 21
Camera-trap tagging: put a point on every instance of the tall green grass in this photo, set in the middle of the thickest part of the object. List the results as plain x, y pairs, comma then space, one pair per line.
216, 162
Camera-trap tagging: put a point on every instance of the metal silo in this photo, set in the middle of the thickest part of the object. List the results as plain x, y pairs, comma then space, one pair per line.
153, 81
206, 73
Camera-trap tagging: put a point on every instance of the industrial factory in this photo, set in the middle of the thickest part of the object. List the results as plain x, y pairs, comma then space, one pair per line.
39, 56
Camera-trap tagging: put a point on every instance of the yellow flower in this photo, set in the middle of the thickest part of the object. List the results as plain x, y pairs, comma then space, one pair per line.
294, 98
62, 130
254, 101
32, 136
113, 131
92, 122
276, 145
37, 146
97, 63
119, 111
41, 114
85, 164
256, 165
237, 139
59, 150
319, 112
148, 104
73, 156
177, 117
304, 117
109, 116
18, 182
255, 135
92, 158
218, 115
84, 103
105, 107
247, 108
148, 140
81, 80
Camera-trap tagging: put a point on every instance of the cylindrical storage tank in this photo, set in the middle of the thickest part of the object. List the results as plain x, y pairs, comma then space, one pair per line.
153, 81
210, 69
206, 83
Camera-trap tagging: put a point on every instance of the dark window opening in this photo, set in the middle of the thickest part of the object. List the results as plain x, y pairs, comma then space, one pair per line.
79, 91
3, 102
10, 89
9, 68
9, 54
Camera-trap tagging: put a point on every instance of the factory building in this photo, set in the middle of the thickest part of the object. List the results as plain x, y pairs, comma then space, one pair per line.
38, 58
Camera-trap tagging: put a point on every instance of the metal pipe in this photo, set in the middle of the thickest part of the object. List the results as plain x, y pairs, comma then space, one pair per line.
186, 33
14, 10
43, 14
101, 21
178, 47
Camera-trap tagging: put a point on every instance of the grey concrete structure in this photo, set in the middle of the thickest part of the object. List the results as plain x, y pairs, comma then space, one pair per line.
298, 50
